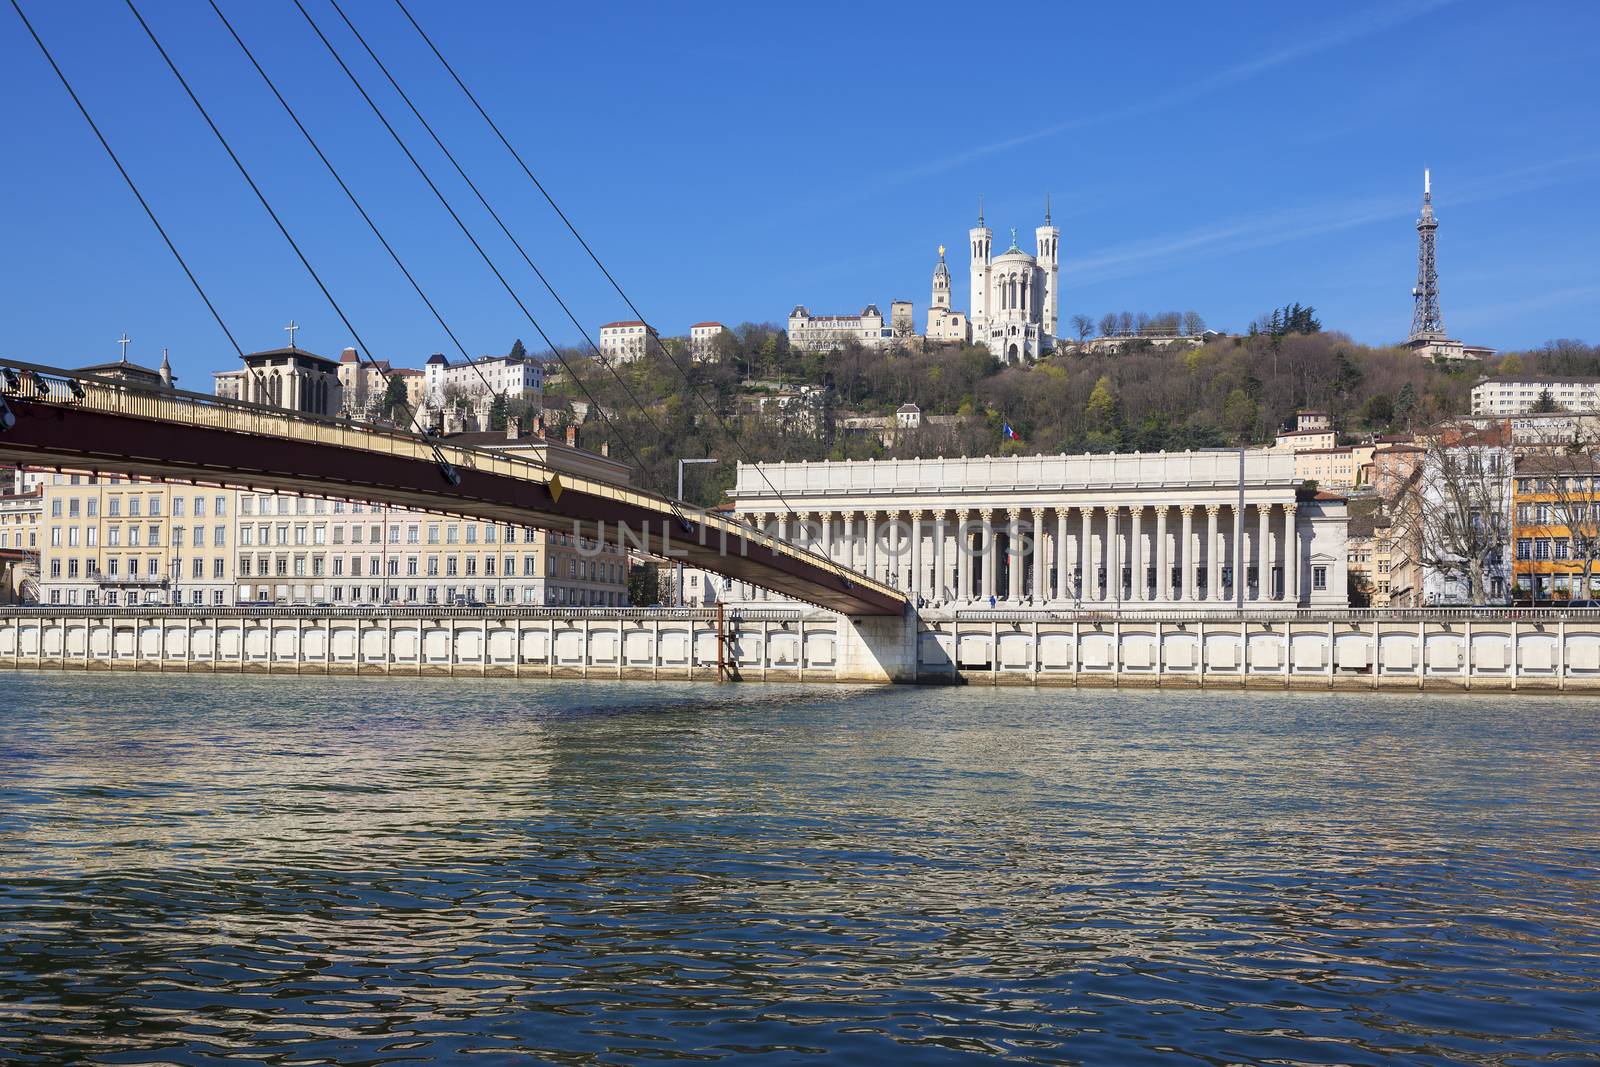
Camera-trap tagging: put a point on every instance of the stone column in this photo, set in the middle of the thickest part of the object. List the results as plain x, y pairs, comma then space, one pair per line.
1063, 589
1186, 558
1086, 554
1213, 556
936, 595
1163, 561
1140, 591
827, 533
1013, 554
963, 549
872, 544
986, 531
1291, 561
916, 554
1039, 574
1113, 554
1263, 552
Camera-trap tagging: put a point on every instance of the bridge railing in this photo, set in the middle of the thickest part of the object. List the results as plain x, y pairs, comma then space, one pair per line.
1089, 613
57, 386
414, 611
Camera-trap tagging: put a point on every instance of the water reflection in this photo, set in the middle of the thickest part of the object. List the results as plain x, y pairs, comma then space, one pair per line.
369, 871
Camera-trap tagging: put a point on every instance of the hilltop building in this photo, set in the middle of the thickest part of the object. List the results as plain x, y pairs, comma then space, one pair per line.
1517, 396
820, 333
944, 322
1016, 295
624, 342
289, 378
517, 378
703, 340
134, 374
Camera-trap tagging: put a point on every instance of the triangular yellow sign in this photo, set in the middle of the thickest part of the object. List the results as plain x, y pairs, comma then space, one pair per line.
554, 485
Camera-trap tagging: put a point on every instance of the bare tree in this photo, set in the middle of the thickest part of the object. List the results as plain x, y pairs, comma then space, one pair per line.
1457, 508
1083, 326
1108, 324
1193, 324
1566, 507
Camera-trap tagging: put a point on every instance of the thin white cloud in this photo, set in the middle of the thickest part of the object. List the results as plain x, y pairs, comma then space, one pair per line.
1371, 21
1285, 226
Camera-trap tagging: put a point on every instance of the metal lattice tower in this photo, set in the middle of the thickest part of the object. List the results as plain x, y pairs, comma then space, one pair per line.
1427, 322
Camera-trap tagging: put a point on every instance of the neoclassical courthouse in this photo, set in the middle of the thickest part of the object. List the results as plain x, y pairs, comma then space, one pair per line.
1141, 530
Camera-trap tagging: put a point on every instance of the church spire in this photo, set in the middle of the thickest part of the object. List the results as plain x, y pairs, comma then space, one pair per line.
980, 211
1047, 209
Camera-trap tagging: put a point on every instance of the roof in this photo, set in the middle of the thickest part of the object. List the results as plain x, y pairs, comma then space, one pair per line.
630, 322
122, 366
699, 325
908, 408
438, 357
349, 356
1537, 379
292, 350
409, 372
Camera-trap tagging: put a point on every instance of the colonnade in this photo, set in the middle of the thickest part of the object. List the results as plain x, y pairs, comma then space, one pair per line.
1093, 552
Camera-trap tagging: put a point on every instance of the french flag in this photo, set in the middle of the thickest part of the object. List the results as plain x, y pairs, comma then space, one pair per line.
1010, 434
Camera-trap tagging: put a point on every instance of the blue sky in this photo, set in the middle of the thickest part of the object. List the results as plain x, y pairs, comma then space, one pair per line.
729, 161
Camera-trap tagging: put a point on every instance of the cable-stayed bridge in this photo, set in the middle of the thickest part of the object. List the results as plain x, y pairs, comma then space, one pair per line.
66, 419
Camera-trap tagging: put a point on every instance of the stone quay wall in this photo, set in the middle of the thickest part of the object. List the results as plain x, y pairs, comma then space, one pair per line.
1503, 649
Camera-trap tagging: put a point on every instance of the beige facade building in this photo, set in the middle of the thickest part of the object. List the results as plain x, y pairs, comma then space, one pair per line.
822, 333
19, 520
114, 540
289, 378
1517, 396
624, 342
703, 340
944, 322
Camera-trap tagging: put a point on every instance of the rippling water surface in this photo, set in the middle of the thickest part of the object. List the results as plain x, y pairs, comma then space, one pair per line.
295, 871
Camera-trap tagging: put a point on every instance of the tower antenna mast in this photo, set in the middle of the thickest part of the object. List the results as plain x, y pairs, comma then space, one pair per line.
1427, 322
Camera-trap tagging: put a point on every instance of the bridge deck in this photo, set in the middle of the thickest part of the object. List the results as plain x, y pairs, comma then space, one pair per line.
69, 420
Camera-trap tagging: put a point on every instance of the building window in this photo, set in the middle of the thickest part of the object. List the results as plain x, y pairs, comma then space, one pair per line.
1524, 548
1541, 548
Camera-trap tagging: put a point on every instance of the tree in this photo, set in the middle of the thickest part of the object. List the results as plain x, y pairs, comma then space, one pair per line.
1193, 324
1459, 504
1125, 322
517, 351
1567, 481
1359, 588
1544, 404
1239, 414
1108, 324
644, 585
1102, 412
1378, 411
394, 404
498, 409
1509, 365
1083, 326
1405, 402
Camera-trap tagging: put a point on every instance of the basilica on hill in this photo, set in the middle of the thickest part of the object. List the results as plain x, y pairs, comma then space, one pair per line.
1016, 295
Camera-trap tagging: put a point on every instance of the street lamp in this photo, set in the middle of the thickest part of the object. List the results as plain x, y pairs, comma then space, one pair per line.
678, 596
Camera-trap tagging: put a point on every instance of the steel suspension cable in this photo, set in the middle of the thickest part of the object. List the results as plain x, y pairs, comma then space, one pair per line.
134, 188
581, 241
595, 404
283, 229
373, 226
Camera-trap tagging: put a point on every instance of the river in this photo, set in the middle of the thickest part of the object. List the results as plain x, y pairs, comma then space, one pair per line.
198, 869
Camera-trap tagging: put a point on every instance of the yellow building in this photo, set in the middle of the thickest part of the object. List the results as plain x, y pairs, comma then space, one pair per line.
1555, 528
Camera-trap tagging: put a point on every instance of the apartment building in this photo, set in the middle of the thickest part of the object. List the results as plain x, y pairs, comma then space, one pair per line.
1518, 396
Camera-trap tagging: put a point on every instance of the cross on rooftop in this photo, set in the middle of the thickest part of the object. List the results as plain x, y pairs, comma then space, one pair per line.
291, 328
123, 341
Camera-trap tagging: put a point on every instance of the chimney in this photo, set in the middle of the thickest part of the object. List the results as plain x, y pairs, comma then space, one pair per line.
572, 437
513, 428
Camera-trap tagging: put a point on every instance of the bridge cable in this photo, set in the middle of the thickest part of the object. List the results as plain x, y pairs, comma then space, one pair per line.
134, 188
373, 226
622, 438
504, 229
244, 171
698, 394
